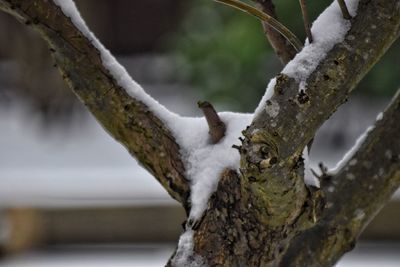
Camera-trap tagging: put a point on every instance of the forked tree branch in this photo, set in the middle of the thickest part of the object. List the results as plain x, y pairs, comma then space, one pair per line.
354, 195
291, 117
253, 216
127, 119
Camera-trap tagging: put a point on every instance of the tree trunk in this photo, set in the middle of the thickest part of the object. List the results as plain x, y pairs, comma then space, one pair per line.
262, 214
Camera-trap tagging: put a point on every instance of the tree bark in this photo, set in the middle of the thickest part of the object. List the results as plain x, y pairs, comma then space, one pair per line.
127, 119
265, 215
254, 217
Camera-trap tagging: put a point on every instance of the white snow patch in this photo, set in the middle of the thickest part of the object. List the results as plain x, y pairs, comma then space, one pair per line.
349, 154
111, 64
309, 178
203, 161
328, 29
184, 254
269, 92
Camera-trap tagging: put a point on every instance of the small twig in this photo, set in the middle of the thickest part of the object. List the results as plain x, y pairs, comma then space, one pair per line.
292, 39
306, 20
217, 127
345, 11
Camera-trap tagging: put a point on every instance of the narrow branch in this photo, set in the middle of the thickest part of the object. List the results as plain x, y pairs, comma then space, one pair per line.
217, 127
292, 39
343, 8
354, 195
129, 120
306, 20
283, 49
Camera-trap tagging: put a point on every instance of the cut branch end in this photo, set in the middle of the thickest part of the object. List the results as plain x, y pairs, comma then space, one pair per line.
216, 126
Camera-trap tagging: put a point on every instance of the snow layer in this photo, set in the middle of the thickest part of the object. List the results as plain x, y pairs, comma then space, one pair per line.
349, 154
184, 254
203, 161
309, 178
269, 92
328, 29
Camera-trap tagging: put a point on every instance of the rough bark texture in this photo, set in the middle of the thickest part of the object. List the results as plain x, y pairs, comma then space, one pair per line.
269, 203
128, 120
266, 215
352, 197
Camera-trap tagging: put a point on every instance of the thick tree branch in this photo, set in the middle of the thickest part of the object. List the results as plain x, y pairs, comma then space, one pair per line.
292, 116
253, 218
272, 164
282, 47
354, 195
127, 119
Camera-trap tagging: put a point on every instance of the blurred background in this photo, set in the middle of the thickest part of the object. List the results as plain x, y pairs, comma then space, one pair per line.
72, 196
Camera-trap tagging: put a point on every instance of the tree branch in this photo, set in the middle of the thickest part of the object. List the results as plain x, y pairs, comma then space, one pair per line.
343, 8
272, 22
283, 49
291, 117
306, 20
354, 195
129, 120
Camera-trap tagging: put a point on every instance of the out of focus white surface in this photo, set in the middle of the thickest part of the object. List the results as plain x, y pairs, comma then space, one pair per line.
81, 165
364, 255
76, 165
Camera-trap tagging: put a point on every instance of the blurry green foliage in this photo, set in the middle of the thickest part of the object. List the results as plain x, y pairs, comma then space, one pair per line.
226, 56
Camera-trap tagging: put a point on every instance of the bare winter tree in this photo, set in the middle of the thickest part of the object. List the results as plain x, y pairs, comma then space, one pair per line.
249, 205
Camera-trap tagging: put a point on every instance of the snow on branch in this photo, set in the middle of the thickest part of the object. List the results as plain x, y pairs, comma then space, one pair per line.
327, 30
203, 159
177, 150
355, 194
